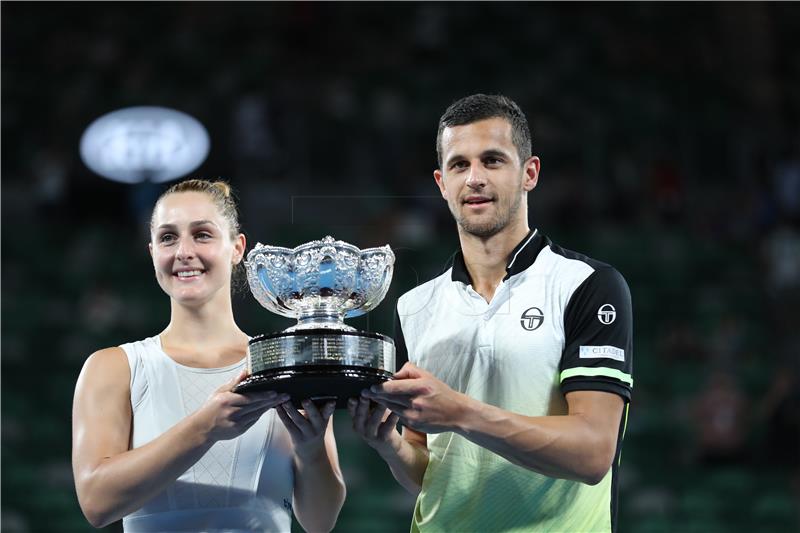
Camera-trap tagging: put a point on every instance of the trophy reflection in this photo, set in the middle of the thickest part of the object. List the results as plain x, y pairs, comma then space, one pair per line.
320, 283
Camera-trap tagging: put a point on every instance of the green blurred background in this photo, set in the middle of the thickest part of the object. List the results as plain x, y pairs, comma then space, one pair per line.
670, 148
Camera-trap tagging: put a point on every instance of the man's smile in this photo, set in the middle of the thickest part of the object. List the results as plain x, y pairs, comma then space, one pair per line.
476, 200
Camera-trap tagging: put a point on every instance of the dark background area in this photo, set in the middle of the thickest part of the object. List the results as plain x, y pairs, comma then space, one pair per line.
670, 148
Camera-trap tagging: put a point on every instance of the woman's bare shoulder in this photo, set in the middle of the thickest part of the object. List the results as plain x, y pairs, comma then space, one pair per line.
107, 356
107, 366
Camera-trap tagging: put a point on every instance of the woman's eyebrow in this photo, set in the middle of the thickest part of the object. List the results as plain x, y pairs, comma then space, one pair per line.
191, 224
202, 223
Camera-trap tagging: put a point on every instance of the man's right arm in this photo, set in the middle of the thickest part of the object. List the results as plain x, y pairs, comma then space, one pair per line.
406, 454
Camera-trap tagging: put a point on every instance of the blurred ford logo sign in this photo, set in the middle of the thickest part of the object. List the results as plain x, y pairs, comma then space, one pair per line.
144, 143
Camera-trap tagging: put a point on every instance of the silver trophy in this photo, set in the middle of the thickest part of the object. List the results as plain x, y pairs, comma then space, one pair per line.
320, 283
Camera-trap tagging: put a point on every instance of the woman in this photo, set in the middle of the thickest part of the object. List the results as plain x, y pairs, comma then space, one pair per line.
159, 437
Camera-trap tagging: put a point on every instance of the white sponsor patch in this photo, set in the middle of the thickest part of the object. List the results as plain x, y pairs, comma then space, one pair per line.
598, 352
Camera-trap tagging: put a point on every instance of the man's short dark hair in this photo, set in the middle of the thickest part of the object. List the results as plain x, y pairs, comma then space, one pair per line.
483, 106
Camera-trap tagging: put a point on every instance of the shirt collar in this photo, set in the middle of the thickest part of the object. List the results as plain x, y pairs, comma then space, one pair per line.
520, 258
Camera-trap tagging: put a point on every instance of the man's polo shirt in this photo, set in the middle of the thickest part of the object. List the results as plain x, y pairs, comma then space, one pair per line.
558, 322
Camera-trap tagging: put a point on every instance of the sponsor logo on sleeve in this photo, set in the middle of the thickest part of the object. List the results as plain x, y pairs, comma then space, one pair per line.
606, 314
602, 352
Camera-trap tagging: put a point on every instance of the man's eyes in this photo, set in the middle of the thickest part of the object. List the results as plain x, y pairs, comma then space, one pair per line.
487, 161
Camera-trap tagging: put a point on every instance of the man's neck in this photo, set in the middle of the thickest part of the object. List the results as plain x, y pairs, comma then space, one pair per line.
486, 257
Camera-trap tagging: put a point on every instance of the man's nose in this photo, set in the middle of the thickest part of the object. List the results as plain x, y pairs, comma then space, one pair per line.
477, 177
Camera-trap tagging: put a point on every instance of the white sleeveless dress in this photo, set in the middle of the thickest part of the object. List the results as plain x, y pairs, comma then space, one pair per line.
242, 484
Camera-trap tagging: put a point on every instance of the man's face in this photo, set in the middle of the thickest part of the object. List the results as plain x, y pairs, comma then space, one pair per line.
482, 178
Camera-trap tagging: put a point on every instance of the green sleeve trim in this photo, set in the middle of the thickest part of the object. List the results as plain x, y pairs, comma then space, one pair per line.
607, 372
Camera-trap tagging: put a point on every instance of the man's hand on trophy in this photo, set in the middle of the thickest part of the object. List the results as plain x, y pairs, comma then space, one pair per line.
376, 426
422, 401
307, 427
227, 414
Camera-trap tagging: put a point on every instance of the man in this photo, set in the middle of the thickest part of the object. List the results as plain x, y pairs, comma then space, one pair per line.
519, 375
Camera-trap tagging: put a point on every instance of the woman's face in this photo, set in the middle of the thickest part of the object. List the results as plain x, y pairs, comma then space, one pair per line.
192, 249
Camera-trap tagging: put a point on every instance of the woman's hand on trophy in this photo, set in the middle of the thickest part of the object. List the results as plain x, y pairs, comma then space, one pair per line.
307, 427
227, 414
376, 425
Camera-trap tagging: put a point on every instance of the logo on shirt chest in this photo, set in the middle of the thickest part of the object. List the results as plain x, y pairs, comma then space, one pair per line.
531, 319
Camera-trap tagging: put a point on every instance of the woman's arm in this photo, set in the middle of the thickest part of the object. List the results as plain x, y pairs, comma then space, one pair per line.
406, 454
113, 481
319, 489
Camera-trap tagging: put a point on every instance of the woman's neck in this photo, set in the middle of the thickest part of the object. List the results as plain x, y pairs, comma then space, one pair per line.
204, 336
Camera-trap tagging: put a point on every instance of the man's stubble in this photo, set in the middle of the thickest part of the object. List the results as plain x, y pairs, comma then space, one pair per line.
495, 225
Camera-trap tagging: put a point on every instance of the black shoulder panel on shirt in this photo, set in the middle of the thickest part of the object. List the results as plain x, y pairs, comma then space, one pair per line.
598, 328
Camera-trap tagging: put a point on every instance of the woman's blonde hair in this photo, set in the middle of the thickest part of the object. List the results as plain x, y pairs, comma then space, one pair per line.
219, 191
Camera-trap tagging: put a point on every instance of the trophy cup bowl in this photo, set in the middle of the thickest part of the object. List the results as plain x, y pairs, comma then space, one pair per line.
319, 283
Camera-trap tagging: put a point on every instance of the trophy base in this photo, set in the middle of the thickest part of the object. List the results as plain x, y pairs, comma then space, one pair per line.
318, 364
320, 383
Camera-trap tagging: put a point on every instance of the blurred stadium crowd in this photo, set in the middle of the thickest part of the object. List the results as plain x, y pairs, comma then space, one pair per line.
670, 146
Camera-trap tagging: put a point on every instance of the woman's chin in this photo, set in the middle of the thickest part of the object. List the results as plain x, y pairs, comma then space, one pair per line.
190, 297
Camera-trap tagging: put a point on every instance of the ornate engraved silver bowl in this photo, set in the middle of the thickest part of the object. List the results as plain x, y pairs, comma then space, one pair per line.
320, 283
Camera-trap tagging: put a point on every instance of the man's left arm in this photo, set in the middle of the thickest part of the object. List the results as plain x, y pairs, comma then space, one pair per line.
579, 446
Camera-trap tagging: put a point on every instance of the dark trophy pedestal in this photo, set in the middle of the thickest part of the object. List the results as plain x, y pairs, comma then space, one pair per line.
318, 364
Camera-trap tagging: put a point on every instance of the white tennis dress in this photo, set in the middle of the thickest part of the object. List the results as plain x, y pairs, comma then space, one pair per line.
242, 484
